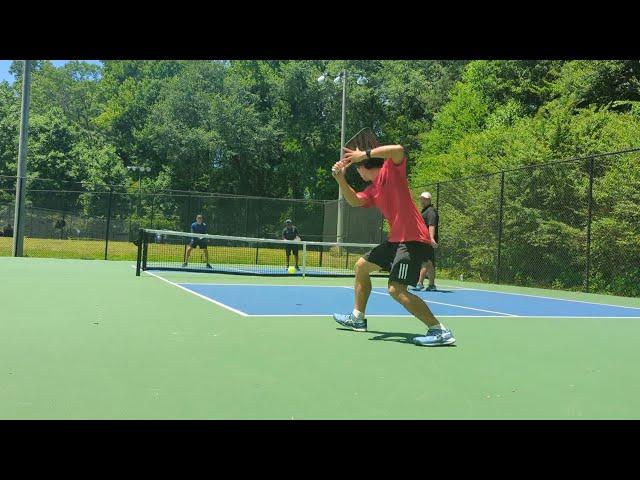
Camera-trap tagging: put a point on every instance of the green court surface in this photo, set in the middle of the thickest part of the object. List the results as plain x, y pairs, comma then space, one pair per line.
90, 340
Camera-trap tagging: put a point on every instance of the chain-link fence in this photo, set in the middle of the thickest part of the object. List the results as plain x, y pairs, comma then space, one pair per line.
571, 224
66, 221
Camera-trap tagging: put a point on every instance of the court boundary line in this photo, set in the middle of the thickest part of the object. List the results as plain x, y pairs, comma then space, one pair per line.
446, 286
244, 314
239, 312
446, 316
456, 306
260, 285
548, 298
321, 315
377, 316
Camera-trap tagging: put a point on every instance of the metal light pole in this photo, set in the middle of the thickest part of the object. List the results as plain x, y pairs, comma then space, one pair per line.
136, 168
361, 81
339, 226
19, 220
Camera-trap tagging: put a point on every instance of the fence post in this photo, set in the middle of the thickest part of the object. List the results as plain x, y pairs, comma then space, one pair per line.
500, 227
106, 237
246, 217
589, 216
188, 225
153, 207
188, 213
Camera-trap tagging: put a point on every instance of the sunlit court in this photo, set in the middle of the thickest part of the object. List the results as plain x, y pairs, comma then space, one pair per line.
319, 240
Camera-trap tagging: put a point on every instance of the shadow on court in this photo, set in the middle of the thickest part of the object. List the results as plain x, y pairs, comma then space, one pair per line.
400, 337
434, 291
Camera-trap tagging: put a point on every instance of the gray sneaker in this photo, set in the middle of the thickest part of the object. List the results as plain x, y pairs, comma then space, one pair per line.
350, 322
435, 338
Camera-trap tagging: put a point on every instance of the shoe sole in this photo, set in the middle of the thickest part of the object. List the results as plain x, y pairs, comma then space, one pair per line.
445, 343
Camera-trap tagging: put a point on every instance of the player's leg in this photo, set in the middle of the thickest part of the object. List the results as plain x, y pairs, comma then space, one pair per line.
431, 267
431, 272
405, 271
287, 254
186, 255
367, 264
295, 256
414, 304
206, 256
423, 274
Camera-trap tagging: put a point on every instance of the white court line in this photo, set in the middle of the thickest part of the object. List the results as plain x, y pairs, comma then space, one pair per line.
381, 316
446, 286
452, 305
570, 316
445, 316
380, 293
260, 285
550, 298
198, 295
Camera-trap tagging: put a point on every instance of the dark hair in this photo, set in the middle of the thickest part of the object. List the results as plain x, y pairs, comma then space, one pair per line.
375, 162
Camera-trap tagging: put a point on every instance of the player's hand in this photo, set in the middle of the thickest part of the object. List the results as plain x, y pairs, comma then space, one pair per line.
434, 244
338, 168
354, 156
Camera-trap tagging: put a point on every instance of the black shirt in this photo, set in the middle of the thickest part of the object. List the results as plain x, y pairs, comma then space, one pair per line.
431, 218
290, 234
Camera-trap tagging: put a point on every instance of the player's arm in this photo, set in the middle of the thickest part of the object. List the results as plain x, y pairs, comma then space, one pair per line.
431, 221
394, 152
432, 234
349, 193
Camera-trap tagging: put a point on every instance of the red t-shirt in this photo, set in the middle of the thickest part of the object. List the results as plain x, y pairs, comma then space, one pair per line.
390, 193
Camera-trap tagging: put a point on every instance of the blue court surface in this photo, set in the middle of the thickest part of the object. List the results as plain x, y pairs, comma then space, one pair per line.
293, 300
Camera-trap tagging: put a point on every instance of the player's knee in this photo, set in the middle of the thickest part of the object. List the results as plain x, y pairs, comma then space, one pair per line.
360, 267
396, 289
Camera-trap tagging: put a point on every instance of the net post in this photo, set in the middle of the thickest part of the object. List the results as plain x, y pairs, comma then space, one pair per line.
346, 261
304, 259
145, 249
139, 257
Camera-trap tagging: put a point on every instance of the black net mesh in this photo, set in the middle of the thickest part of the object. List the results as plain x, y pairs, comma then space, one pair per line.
167, 250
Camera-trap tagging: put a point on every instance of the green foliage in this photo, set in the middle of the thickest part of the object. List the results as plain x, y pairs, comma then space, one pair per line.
503, 115
269, 128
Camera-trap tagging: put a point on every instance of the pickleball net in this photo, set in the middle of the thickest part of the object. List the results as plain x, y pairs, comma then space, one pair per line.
166, 250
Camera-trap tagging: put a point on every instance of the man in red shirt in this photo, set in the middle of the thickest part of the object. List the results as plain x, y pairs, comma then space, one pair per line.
405, 250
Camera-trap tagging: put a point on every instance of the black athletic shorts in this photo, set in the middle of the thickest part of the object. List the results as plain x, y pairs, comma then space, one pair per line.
402, 260
431, 255
198, 242
290, 248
